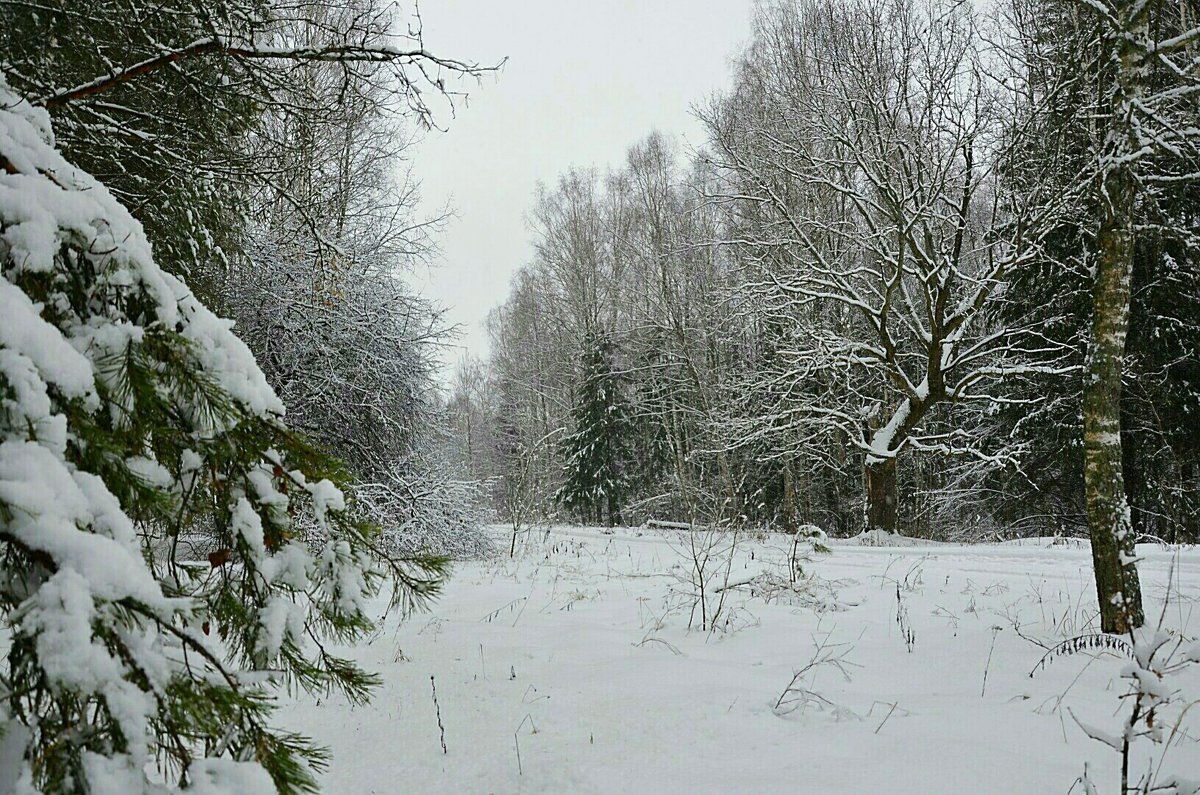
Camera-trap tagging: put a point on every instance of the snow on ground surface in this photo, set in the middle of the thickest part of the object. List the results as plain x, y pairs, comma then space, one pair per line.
571, 669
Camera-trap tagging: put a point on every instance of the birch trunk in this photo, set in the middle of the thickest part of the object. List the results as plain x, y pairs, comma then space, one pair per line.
1117, 587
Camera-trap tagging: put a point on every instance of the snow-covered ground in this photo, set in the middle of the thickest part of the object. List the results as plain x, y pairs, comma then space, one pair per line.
571, 669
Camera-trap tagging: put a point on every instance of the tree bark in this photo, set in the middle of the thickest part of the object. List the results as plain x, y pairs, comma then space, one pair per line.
882, 495
1117, 587
790, 513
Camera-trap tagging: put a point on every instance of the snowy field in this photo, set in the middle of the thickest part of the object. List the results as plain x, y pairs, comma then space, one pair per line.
571, 669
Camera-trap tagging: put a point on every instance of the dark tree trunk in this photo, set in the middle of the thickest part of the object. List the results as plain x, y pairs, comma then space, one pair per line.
882, 495
790, 512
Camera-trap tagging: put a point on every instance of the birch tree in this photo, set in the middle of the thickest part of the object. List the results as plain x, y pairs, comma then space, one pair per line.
625, 255
677, 288
1150, 71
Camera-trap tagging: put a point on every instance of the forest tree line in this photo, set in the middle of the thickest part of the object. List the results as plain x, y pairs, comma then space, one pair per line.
867, 301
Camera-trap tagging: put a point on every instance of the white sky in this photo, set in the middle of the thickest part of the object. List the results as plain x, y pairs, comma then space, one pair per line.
584, 81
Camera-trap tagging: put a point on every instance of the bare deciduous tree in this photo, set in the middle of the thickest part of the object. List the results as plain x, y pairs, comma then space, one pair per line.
863, 146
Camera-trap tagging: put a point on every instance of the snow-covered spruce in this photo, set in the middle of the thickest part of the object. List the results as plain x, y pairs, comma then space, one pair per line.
151, 588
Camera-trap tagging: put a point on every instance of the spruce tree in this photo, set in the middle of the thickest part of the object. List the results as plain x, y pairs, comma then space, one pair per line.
596, 477
170, 551
168, 144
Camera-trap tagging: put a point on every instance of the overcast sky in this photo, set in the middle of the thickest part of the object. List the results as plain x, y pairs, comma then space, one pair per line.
583, 82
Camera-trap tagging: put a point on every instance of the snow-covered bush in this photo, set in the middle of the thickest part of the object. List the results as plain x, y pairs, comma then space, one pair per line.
353, 358
151, 586
704, 578
425, 510
807, 542
1161, 676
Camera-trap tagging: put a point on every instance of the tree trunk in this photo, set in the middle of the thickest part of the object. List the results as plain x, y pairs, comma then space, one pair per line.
790, 513
1109, 521
882, 495
1104, 483
1187, 528
1117, 587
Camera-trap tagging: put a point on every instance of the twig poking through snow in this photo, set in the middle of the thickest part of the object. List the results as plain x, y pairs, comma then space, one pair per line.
987, 666
674, 649
517, 740
797, 695
437, 708
885, 717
